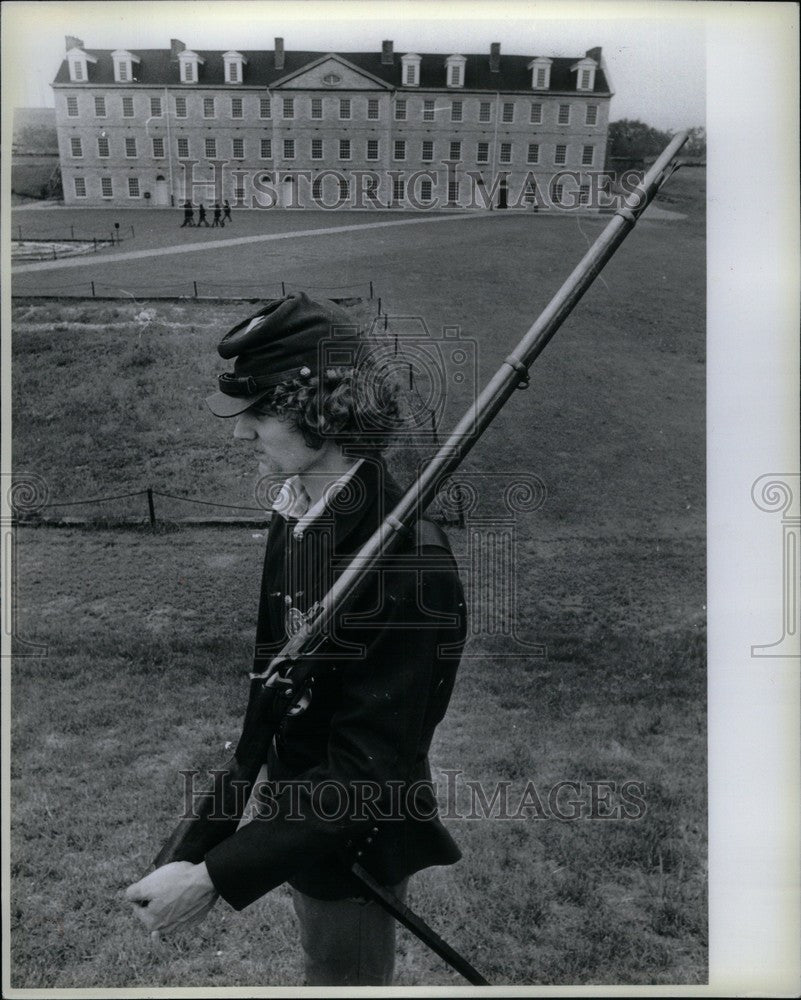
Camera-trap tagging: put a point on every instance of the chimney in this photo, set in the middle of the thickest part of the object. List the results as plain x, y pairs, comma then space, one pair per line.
73, 42
175, 48
594, 54
387, 57
495, 57
279, 53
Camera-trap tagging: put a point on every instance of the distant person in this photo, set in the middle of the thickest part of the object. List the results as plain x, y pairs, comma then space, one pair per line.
189, 215
226, 211
217, 216
201, 216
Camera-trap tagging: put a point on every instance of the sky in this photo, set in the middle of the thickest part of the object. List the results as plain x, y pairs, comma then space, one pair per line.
654, 51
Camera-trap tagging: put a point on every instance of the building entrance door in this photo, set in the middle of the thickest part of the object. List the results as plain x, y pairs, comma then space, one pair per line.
162, 198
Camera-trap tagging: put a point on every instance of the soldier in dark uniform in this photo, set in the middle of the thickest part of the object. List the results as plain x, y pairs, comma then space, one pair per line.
354, 763
189, 215
201, 216
217, 216
226, 211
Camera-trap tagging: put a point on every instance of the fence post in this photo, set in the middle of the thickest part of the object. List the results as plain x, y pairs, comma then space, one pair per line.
371, 289
396, 341
150, 507
132, 231
411, 379
55, 255
93, 289
283, 290
72, 232
379, 305
194, 283
95, 239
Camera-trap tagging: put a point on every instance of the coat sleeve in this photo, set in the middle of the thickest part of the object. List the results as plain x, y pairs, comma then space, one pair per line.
391, 701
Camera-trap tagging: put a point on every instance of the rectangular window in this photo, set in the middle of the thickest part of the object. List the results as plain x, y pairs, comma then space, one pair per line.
372, 149
155, 107
506, 152
541, 76
591, 114
482, 152
560, 156
238, 149
585, 79
428, 111
536, 114
426, 191
453, 192
123, 72
456, 111
344, 108
133, 187
183, 148
533, 153
455, 76
508, 114
344, 149
485, 112
72, 107
103, 146
344, 188
106, 188
564, 114
399, 149
180, 107
75, 146
289, 107
130, 146
239, 195
400, 110
100, 107
455, 151
77, 70
317, 149
584, 194
266, 149
233, 72
208, 107
317, 107
236, 107
556, 193
264, 107
372, 108
158, 148
398, 188
80, 187
428, 150
189, 72
127, 107
289, 149
209, 148
587, 155
410, 76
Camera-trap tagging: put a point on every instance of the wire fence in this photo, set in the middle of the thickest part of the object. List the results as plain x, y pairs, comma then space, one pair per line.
191, 288
28, 246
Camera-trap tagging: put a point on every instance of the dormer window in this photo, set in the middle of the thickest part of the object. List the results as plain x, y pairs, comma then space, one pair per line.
234, 67
454, 71
585, 73
78, 61
189, 62
411, 70
540, 73
123, 65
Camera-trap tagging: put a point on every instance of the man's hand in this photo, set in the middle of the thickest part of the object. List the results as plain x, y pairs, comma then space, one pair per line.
173, 898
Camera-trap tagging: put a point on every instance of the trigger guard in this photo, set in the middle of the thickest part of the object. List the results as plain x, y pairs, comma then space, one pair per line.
302, 703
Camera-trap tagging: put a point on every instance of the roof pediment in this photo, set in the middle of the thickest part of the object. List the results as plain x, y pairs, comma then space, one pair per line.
330, 72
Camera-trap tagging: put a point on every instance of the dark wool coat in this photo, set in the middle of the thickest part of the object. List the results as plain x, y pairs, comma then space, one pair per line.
374, 707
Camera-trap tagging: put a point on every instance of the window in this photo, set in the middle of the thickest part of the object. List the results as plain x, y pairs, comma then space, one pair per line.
317, 107
75, 146
103, 146
453, 192
289, 149
127, 107
106, 188
485, 112
398, 188
123, 72
264, 107
586, 76
344, 108
209, 148
344, 188
266, 149
100, 107
456, 111
372, 149
133, 187
560, 156
77, 70
239, 192
72, 107
400, 110
233, 72
508, 112
587, 155
556, 193
344, 149
542, 76
155, 107
289, 107
591, 114
584, 194
372, 108
158, 147
455, 151
399, 149
455, 76
533, 153
317, 149
189, 72
564, 114
130, 146
425, 189
482, 152
80, 187
506, 152
411, 75
428, 151
428, 111
208, 107
236, 107
183, 149
238, 149
536, 114
180, 107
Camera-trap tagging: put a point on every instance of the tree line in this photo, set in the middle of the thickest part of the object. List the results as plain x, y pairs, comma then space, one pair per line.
633, 139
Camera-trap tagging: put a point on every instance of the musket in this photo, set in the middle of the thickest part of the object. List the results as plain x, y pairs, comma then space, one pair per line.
286, 678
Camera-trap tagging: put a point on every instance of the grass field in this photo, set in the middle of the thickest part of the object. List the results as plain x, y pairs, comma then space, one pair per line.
148, 633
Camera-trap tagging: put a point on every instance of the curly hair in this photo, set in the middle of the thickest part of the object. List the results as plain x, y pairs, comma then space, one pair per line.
345, 405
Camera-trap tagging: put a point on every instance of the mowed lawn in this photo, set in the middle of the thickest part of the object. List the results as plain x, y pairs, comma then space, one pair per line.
148, 633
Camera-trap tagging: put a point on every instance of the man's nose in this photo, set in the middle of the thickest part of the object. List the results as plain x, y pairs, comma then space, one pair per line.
243, 428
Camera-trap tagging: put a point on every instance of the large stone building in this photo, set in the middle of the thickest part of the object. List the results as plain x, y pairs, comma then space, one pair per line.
365, 129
